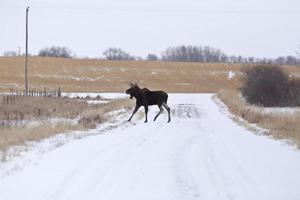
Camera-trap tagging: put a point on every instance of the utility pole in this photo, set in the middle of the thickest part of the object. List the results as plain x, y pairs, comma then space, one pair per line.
19, 51
26, 54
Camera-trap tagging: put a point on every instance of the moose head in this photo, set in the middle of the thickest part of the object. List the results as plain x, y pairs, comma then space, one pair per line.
133, 89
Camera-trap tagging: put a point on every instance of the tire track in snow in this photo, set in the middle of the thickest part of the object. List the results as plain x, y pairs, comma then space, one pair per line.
120, 152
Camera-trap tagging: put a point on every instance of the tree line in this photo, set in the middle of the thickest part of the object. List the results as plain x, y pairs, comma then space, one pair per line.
183, 53
210, 54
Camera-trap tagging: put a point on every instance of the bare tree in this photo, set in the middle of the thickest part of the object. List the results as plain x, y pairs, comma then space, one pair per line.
209, 54
10, 53
280, 60
55, 52
194, 54
117, 54
298, 51
152, 57
291, 60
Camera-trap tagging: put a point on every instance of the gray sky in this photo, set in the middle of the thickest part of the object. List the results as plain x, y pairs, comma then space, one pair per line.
261, 28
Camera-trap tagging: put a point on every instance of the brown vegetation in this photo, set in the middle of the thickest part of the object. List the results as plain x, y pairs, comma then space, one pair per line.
87, 75
91, 75
97, 114
281, 123
30, 108
270, 86
74, 114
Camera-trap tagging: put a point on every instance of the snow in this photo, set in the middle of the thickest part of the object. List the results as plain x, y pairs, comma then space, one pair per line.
185, 84
81, 78
280, 110
97, 101
201, 154
274, 110
230, 75
94, 95
85, 78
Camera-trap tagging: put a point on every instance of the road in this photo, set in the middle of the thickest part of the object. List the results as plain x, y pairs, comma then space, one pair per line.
201, 154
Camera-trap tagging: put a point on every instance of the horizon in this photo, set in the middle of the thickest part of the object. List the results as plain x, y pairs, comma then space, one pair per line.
250, 28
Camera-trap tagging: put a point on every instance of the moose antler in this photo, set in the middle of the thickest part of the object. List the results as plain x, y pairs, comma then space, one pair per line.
131, 84
137, 83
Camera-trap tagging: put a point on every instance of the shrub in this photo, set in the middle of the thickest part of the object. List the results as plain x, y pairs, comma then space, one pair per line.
270, 86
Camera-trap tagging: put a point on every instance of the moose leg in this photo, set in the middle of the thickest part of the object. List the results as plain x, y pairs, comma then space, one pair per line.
134, 111
160, 111
146, 113
168, 109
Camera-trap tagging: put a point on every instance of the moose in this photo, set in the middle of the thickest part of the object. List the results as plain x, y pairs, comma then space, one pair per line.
145, 97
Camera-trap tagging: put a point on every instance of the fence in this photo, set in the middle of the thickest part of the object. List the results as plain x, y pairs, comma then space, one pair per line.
16, 95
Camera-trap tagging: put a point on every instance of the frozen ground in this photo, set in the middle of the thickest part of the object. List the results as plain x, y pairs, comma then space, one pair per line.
201, 154
93, 95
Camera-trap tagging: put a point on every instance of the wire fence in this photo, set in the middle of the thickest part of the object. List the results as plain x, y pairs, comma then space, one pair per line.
17, 95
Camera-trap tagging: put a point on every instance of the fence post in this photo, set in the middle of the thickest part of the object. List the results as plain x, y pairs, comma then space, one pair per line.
59, 92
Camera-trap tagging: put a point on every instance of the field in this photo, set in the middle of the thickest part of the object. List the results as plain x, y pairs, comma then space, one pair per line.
86, 75
90, 150
90, 75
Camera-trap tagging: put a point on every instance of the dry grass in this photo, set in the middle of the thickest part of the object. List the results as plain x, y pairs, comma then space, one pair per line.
30, 108
87, 116
87, 75
13, 136
95, 114
90, 75
281, 123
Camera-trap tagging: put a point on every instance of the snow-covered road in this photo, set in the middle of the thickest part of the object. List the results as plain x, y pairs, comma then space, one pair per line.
201, 154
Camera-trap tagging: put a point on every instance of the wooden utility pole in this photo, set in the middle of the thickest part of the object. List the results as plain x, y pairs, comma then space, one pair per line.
26, 54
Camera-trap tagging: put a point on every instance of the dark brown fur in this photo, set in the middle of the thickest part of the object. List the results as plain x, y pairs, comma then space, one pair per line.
145, 97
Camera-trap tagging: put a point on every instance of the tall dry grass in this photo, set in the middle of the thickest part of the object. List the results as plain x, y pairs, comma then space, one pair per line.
30, 108
90, 75
282, 123
19, 135
97, 114
83, 117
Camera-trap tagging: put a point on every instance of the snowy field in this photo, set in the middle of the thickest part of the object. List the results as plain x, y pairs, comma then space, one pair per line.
201, 154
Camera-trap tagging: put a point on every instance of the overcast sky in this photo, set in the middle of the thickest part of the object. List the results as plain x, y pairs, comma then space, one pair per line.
261, 28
